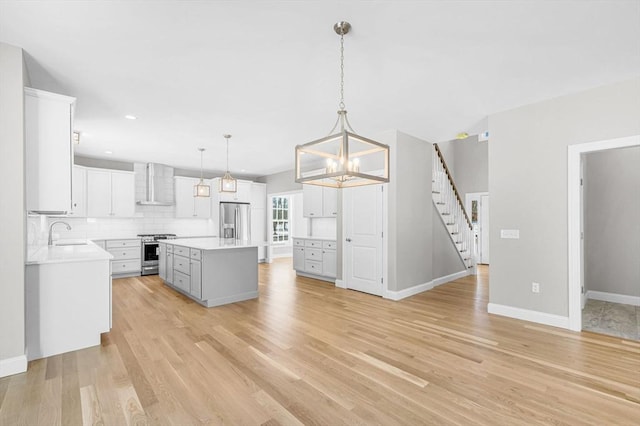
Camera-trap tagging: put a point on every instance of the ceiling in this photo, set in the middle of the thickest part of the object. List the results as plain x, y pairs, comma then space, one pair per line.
267, 72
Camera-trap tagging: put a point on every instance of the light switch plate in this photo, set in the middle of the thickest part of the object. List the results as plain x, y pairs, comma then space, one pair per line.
513, 234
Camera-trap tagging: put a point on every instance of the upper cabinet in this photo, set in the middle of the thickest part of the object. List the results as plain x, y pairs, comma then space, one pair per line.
110, 193
187, 205
319, 201
79, 192
49, 155
242, 195
258, 195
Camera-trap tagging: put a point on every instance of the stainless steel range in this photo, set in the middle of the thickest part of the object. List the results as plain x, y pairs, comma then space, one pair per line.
151, 250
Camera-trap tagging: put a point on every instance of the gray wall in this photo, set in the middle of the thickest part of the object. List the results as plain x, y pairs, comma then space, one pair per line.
281, 182
528, 186
471, 168
446, 260
410, 213
612, 221
12, 207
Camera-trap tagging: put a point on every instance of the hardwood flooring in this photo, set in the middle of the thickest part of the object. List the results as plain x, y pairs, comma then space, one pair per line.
306, 352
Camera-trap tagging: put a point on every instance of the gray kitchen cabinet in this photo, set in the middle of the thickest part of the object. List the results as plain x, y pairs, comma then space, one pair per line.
196, 279
162, 261
127, 255
315, 258
48, 124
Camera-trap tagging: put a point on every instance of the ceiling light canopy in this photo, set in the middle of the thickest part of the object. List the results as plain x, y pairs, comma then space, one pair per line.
228, 183
201, 189
343, 159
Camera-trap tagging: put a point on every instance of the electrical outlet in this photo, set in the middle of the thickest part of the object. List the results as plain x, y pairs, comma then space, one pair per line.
535, 287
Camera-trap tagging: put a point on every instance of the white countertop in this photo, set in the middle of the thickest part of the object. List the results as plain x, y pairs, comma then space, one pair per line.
214, 243
315, 238
71, 253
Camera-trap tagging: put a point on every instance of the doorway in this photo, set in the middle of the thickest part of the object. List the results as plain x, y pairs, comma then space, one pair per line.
477, 206
575, 225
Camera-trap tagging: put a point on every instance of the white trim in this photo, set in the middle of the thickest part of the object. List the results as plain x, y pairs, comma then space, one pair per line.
11, 366
451, 277
341, 284
315, 276
528, 315
407, 292
613, 297
574, 155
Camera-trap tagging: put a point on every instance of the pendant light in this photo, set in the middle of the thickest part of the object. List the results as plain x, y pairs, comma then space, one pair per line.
343, 159
200, 189
228, 183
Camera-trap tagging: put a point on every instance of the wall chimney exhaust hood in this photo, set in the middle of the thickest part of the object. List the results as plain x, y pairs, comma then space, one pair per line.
158, 185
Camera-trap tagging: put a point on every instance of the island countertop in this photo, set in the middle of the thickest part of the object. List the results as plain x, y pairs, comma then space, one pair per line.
214, 243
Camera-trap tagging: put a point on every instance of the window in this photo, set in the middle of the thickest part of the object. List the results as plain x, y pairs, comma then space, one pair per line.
280, 219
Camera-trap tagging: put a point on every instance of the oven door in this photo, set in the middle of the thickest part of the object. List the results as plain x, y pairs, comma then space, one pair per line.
150, 252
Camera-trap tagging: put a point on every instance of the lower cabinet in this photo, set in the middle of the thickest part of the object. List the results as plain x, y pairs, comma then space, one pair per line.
126, 257
195, 287
315, 258
182, 268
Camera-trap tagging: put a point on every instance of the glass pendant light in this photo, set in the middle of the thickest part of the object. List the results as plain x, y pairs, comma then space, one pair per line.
200, 189
228, 183
343, 159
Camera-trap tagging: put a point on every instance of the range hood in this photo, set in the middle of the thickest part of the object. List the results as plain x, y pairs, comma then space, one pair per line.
158, 185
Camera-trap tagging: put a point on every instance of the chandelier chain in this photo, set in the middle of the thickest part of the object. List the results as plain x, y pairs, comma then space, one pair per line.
341, 104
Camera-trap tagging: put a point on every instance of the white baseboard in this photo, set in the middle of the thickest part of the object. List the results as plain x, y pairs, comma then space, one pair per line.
450, 277
341, 284
408, 292
11, 366
280, 255
528, 315
613, 297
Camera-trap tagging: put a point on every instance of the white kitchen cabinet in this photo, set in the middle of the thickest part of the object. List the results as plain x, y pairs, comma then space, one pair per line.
319, 201
315, 258
48, 151
242, 195
79, 192
110, 193
188, 206
258, 195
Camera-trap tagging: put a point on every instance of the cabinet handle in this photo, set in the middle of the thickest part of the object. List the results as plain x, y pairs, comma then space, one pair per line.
348, 240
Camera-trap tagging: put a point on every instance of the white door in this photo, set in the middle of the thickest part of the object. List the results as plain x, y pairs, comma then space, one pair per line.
477, 206
484, 229
583, 299
363, 239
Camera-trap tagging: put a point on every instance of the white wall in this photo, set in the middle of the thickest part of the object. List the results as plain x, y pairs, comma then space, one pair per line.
528, 186
12, 211
612, 221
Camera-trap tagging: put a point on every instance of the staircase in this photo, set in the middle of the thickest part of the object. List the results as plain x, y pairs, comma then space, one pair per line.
451, 208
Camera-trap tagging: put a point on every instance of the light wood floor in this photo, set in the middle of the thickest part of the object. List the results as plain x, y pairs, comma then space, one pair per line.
308, 353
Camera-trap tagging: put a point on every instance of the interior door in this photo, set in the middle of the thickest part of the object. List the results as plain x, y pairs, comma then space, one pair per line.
583, 293
363, 238
484, 229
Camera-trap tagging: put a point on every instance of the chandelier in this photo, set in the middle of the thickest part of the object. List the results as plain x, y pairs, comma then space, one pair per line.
342, 159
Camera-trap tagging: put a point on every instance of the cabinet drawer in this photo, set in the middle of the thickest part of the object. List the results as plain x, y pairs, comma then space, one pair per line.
182, 251
181, 281
298, 243
196, 254
313, 243
123, 243
125, 266
125, 253
331, 245
313, 254
181, 264
313, 267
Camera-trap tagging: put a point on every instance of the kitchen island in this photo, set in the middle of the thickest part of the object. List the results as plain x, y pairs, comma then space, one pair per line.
211, 271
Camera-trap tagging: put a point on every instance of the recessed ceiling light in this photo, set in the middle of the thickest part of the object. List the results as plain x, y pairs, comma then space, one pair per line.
243, 170
108, 152
130, 117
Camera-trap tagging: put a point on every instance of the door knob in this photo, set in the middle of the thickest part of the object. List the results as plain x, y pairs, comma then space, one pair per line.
348, 240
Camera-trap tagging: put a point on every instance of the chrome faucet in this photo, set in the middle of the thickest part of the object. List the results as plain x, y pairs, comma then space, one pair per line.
51, 229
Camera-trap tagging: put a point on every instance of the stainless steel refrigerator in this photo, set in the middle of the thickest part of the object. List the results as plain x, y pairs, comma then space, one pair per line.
235, 221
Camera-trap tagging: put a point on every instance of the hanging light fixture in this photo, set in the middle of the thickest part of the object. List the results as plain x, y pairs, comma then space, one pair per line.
200, 189
228, 183
343, 159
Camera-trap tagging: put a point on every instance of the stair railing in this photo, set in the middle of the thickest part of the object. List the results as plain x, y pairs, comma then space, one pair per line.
451, 208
